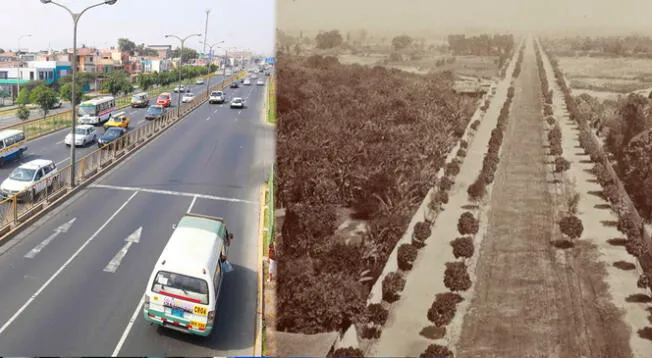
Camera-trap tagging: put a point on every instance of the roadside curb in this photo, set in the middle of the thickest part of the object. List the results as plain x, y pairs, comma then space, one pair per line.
258, 337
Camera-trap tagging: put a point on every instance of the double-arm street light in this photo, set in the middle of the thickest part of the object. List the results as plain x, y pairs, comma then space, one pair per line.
20, 77
75, 20
182, 40
210, 51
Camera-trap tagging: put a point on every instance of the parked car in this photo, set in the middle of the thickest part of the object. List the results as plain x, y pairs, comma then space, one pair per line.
30, 176
216, 97
199, 82
118, 120
84, 134
58, 103
260, 83
164, 99
180, 88
111, 135
237, 102
234, 85
155, 112
247, 82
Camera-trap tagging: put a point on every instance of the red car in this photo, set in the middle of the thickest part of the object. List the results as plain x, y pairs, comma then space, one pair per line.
164, 99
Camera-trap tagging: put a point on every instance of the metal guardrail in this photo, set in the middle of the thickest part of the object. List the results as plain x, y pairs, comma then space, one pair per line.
37, 127
24, 204
270, 206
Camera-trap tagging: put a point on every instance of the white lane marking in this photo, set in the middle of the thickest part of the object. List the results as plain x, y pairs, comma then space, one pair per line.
60, 230
59, 142
192, 203
175, 193
134, 237
118, 347
208, 119
65, 264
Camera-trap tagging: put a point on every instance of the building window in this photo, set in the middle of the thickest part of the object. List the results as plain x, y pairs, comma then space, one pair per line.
31, 76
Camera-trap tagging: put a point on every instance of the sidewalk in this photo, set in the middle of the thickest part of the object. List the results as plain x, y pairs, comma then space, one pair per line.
401, 334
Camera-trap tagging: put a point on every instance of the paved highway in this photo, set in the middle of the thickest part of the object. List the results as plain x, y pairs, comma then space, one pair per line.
60, 301
52, 147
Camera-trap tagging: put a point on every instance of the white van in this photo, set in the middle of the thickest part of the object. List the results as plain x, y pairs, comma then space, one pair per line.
184, 287
12, 144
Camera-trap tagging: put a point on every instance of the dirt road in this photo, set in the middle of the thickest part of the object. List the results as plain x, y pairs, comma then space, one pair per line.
531, 301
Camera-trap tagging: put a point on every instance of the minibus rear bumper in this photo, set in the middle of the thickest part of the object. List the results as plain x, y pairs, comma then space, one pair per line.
174, 323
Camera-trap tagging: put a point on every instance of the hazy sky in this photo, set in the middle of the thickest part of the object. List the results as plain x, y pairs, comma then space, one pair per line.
411, 15
240, 23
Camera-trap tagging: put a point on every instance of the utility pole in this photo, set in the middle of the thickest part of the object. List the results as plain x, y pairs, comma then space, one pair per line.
208, 11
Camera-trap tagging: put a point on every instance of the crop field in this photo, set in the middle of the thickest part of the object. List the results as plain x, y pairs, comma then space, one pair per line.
603, 74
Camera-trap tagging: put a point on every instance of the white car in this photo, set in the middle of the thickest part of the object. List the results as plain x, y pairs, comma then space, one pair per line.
237, 102
84, 134
28, 174
178, 89
254, 76
187, 97
260, 83
199, 82
246, 82
216, 97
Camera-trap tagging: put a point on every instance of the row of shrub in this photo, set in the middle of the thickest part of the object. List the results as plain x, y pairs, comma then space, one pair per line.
456, 276
629, 222
519, 61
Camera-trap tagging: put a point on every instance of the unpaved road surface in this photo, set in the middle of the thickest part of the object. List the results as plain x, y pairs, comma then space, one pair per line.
530, 300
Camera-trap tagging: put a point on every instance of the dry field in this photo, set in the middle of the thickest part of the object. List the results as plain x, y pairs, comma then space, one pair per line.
612, 76
472, 66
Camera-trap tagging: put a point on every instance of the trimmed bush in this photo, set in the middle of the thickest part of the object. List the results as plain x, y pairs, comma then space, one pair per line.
422, 230
463, 247
456, 277
461, 153
561, 165
627, 225
464, 144
643, 281
442, 311
611, 193
370, 332
602, 175
554, 134
467, 224
348, 352
476, 190
452, 168
436, 350
405, 256
445, 184
441, 197
571, 226
475, 124
487, 176
377, 313
551, 120
393, 284
555, 149
634, 246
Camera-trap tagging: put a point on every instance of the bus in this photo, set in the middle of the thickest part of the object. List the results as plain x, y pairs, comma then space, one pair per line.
96, 111
184, 287
12, 144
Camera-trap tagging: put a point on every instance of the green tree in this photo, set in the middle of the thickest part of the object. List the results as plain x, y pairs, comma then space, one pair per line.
126, 45
23, 96
3, 94
23, 113
117, 82
65, 92
45, 97
144, 81
188, 54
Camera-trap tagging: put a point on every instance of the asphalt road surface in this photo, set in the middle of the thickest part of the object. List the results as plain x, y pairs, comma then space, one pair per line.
60, 301
52, 147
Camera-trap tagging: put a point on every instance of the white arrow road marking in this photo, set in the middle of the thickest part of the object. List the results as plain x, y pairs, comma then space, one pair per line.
115, 262
60, 230
65, 264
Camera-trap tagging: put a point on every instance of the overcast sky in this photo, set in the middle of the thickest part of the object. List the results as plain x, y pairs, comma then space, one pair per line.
240, 23
414, 15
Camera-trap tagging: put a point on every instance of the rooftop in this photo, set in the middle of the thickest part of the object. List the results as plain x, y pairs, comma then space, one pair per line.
36, 164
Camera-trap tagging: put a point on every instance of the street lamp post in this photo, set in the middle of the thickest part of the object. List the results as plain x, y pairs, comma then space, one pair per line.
75, 20
20, 76
210, 51
226, 58
182, 40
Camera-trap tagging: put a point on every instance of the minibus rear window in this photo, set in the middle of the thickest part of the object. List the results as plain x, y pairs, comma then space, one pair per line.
183, 287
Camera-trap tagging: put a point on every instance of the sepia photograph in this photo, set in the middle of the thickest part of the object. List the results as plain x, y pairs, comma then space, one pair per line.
461, 180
